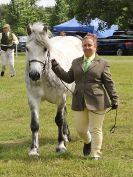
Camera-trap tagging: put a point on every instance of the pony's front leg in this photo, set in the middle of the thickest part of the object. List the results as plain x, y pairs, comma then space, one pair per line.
63, 132
34, 106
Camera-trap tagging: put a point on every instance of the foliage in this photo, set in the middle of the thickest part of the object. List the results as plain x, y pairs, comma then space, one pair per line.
112, 11
15, 133
21, 12
3, 15
61, 12
45, 15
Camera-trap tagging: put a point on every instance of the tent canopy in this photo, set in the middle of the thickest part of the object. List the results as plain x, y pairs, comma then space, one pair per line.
74, 26
105, 32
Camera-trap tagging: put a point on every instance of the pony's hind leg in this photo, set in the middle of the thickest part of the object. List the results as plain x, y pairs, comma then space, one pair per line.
34, 128
63, 131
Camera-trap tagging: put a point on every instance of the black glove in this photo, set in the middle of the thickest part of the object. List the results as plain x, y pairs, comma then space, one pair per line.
114, 105
54, 63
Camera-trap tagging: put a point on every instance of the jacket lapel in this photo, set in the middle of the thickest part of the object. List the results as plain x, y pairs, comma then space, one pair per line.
94, 63
80, 62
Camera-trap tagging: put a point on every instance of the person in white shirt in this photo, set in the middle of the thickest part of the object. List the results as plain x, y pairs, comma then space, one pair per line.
8, 40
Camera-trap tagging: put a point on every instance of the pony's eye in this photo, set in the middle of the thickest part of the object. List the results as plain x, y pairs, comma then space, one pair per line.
45, 49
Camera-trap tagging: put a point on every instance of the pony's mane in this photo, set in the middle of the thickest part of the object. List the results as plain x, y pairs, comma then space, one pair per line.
39, 35
37, 27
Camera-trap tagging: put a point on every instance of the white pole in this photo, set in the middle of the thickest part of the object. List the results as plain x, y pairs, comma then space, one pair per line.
16, 50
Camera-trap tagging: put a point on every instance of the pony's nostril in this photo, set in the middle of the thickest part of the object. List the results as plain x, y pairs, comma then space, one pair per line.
34, 76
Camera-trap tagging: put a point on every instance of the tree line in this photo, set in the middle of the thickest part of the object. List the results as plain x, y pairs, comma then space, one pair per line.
19, 13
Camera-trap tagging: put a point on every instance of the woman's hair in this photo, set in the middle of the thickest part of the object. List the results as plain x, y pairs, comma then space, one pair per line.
91, 36
6, 26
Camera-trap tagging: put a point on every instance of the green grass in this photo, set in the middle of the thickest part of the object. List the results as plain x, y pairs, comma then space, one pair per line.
15, 134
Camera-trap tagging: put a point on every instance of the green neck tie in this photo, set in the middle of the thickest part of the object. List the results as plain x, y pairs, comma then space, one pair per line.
86, 64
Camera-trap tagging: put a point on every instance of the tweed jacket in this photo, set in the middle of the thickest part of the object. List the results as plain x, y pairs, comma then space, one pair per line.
94, 88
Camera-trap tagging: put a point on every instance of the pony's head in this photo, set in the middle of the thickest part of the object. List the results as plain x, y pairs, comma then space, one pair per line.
37, 50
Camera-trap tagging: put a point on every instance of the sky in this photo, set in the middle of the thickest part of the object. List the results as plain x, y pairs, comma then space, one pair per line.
41, 3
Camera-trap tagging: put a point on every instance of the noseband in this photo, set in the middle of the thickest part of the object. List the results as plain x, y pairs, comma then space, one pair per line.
44, 63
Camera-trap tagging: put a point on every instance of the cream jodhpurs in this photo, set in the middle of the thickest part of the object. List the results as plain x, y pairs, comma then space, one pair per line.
89, 127
8, 56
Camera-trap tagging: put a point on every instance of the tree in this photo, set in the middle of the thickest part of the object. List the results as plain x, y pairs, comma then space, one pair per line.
45, 15
3, 15
61, 12
112, 11
21, 13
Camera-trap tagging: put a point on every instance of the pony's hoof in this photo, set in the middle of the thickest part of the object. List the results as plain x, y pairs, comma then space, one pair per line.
61, 147
61, 150
34, 152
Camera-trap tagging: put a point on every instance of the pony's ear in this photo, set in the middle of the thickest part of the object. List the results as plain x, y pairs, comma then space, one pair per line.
45, 28
29, 30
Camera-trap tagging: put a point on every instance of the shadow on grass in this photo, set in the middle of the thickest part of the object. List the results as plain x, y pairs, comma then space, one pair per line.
18, 150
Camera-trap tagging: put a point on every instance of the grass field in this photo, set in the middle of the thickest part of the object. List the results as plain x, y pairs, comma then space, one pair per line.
15, 134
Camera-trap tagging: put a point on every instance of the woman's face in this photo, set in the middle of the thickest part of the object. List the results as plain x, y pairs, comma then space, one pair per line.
5, 30
89, 47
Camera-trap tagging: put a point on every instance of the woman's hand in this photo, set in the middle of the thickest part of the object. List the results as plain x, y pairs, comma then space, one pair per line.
54, 63
114, 105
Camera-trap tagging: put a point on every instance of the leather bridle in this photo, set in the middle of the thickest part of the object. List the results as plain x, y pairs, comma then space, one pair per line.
44, 63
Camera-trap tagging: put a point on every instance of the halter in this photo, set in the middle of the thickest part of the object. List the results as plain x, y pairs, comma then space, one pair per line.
44, 63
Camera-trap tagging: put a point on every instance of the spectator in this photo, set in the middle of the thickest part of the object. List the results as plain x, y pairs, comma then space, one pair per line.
8, 40
62, 33
94, 87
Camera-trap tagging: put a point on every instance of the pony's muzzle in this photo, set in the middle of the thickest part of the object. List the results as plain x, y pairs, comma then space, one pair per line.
34, 75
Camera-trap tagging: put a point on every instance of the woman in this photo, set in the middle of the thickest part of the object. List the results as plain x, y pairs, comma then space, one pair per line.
94, 93
8, 40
